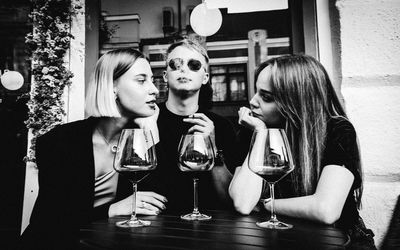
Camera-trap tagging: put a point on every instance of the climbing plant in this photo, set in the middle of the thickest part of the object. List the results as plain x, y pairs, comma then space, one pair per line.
48, 44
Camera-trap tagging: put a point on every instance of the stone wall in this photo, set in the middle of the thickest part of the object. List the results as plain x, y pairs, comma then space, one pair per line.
370, 66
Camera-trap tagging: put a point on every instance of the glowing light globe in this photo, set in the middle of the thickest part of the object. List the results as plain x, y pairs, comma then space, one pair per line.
12, 80
204, 21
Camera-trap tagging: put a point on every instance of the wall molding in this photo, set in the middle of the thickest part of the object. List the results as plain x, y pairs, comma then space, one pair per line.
371, 81
394, 177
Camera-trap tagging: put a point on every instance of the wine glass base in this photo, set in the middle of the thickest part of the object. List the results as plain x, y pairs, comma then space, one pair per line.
132, 223
274, 225
195, 216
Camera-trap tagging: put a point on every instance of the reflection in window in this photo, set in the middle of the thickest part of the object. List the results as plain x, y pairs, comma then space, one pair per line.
160, 84
219, 87
238, 88
218, 69
236, 69
229, 83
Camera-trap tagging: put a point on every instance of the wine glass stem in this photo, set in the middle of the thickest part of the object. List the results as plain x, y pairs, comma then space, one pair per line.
133, 215
195, 196
271, 191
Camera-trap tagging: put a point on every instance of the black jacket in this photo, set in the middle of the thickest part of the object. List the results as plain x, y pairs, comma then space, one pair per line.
66, 187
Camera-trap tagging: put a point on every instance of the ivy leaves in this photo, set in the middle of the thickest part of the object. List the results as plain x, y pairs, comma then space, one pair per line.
48, 44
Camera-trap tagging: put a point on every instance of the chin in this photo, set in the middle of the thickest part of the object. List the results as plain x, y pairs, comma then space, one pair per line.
150, 112
142, 114
186, 91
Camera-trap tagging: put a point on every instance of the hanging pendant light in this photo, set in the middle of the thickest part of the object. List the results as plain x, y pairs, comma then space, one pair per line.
205, 21
12, 80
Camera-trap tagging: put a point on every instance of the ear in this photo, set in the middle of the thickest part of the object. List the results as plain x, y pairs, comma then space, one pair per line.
115, 90
206, 78
165, 76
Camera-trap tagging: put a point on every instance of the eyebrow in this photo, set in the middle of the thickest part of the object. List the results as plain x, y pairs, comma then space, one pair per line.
142, 75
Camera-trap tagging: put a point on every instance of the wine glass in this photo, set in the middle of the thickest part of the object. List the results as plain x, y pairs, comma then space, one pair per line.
135, 158
195, 153
270, 157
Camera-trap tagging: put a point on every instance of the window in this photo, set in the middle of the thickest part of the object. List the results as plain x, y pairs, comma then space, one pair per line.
160, 84
229, 83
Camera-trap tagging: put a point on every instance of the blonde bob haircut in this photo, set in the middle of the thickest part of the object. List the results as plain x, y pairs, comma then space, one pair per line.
100, 97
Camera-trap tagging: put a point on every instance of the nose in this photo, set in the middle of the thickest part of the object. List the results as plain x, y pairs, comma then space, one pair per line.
254, 101
153, 89
183, 68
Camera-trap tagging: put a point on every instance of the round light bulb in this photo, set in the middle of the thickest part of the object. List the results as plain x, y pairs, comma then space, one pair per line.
12, 80
204, 21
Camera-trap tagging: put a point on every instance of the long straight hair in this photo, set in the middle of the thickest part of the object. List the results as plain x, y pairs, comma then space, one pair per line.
306, 98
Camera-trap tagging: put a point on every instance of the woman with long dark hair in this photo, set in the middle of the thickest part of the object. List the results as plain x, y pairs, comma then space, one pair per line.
296, 94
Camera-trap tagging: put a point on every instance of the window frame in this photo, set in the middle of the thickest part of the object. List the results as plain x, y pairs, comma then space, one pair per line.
228, 76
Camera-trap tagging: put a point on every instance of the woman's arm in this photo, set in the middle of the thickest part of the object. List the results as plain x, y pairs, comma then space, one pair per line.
245, 189
222, 178
326, 204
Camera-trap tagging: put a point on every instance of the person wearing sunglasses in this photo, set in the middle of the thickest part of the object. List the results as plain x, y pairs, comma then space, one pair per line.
186, 111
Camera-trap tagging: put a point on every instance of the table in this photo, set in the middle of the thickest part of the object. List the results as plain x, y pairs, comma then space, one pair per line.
226, 230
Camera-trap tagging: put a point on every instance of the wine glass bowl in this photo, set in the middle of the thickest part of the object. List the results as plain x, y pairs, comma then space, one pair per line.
270, 157
274, 170
195, 161
195, 154
134, 159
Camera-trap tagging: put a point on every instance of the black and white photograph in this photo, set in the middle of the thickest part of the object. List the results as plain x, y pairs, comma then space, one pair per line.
200, 124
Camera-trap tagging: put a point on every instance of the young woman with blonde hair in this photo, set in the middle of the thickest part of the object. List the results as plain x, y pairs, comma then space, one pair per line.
77, 182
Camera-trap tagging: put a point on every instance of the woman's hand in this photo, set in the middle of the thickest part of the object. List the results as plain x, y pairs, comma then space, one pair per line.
150, 123
247, 120
201, 124
147, 203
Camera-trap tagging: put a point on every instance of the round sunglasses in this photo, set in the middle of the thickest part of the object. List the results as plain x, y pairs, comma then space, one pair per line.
177, 63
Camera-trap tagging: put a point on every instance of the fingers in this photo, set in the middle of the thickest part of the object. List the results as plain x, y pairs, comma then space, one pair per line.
199, 129
246, 119
147, 203
199, 119
143, 207
201, 122
244, 113
153, 194
151, 201
144, 211
143, 122
202, 117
